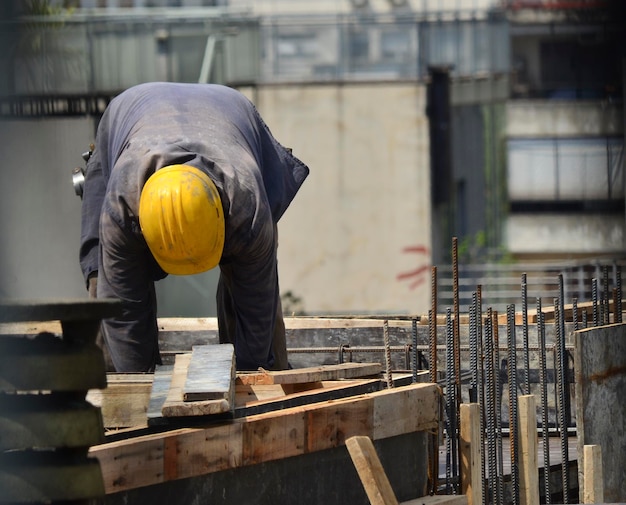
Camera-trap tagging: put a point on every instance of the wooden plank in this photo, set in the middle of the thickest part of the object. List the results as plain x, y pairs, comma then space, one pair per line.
47, 363
528, 461
189, 452
593, 483
45, 421
311, 374
123, 404
175, 406
471, 478
139, 401
370, 470
211, 373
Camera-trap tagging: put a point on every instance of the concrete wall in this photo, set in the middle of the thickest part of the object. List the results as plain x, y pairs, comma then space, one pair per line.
360, 222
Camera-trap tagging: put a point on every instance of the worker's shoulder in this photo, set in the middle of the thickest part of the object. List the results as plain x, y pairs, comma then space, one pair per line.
161, 88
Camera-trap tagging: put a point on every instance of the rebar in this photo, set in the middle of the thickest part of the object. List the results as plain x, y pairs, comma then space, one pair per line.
513, 422
414, 351
432, 326
594, 300
457, 345
618, 298
498, 389
605, 288
574, 313
561, 404
481, 389
450, 413
525, 335
387, 354
561, 322
473, 345
541, 330
432, 345
490, 414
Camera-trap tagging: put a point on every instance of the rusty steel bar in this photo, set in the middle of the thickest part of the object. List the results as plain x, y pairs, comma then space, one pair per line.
432, 326
457, 346
450, 413
513, 422
498, 389
387, 354
481, 388
605, 288
561, 385
490, 414
618, 298
541, 330
525, 334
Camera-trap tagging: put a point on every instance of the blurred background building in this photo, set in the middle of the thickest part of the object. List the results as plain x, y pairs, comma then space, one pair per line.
497, 122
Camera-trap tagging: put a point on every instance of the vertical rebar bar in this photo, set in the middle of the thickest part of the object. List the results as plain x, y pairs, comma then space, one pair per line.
490, 413
473, 348
498, 389
432, 326
561, 322
450, 411
525, 335
561, 385
387, 354
543, 381
618, 298
481, 388
513, 422
457, 344
432, 331
574, 313
414, 363
594, 300
605, 288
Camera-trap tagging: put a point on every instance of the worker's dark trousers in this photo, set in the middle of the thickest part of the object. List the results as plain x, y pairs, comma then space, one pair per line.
226, 323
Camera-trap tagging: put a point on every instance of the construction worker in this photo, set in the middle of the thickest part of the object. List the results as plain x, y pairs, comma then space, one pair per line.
183, 178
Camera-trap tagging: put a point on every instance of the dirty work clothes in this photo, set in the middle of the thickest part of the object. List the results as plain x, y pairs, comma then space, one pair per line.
219, 131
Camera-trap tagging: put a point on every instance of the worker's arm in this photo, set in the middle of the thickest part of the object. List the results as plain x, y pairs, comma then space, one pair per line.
252, 279
93, 198
127, 273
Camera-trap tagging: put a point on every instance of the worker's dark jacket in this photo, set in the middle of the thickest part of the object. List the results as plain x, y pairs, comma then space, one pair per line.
217, 130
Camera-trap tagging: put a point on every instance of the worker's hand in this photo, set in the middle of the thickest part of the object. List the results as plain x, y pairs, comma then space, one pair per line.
93, 285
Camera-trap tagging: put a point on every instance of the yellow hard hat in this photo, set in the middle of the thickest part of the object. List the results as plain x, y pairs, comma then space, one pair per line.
182, 220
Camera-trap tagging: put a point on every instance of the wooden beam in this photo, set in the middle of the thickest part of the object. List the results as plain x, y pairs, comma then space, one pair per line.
189, 452
471, 475
593, 484
370, 470
311, 374
528, 461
